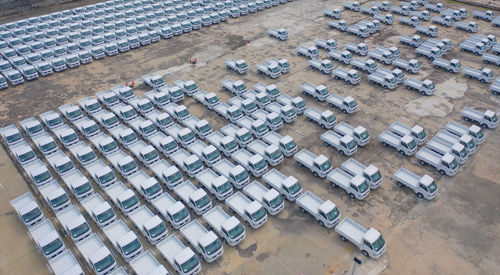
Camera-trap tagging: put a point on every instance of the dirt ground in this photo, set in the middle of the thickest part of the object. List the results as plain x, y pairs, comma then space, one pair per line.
456, 233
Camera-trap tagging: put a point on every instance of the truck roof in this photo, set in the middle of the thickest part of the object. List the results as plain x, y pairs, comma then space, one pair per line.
65, 264
355, 231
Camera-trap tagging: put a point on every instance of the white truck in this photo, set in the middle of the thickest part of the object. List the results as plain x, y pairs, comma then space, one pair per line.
237, 87
287, 112
459, 130
257, 127
368, 66
271, 69
27, 209
491, 59
123, 239
124, 111
410, 21
174, 211
241, 135
484, 75
78, 184
422, 15
319, 165
344, 144
431, 30
289, 187
87, 127
151, 226
446, 21
218, 185
65, 263
55, 196
32, 126
247, 105
51, 119
71, 111
414, 41
370, 173
476, 48
123, 197
333, 13
425, 87
466, 140
89, 104
236, 174
485, 15
145, 153
387, 81
66, 135
123, 163
174, 93
280, 34
189, 87
145, 185
359, 49
269, 198
104, 143
99, 210
47, 239
359, 133
153, 80
253, 163
340, 25
443, 146
196, 198
250, 211
273, 120
107, 119
353, 6
325, 66
328, 45
141, 105
45, 144
228, 227
382, 55
160, 119
320, 92
466, 26
369, 241
146, 263
23, 153
411, 66
325, 119
325, 212
285, 143
158, 98
208, 154
38, 172
203, 240
189, 163
487, 119
387, 18
240, 66
358, 30
282, 63
434, 7
97, 255
180, 257
445, 164
417, 132
74, 223
344, 57
452, 66
405, 145
260, 97
297, 102
271, 153
109, 98
355, 186
201, 127
373, 10
424, 186
209, 100
229, 112
225, 144
183, 136
166, 173
350, 76
179, 112
309, 52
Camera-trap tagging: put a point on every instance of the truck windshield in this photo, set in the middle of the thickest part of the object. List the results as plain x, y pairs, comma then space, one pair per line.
149, 129
129, 138
232, 144
214, 155
80, 230
295, 188
83, 188
131, 247
260, 164
351, 144
157, 230
363, 187
111, 99
195, 165
111, 120
275, 69
241, 87
205, 128
158, 81
290, 113
129, 113
276, 155
190, 264
213, 100
59, 200
170, 146
75, 113
323, 91
202, 202
262, 128
109, 147
129, 166
242, 176
14, 137
33, 214
165, 121
92, 129
130, 202
181, 215
353, 104
494, 118
276, 120
423, 134
147, 106
331, 118
224, 187
326, 165
27, 156
151, 155
276, 202
471, 144
93, 107
213, 247
453, 164
432, 187
379, 244
333, 214
291, 145
53, 246
30, 71
188, 137
355, 75
66, 167
412, 144
257, 216
107, 178
42, 177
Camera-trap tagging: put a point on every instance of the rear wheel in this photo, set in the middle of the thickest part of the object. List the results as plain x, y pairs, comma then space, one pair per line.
325, 143
485, 126
300, 164
466, 119
365, 253
441, 172
342, 238
399, 184
341, 152
345, 111
421, 162
384, 144
482, 81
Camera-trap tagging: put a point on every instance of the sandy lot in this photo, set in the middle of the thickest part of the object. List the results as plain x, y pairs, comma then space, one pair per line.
457, 233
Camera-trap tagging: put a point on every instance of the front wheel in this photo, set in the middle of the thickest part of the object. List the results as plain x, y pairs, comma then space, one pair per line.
441, 172
300, 164
321, 223
420, 196
352, 196
315, 174
485, 126
384, 144
342, 238
401, 152
365, 253
302, 210
399, 184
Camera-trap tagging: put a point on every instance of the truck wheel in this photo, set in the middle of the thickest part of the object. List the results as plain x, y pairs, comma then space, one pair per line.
468, 76
482, 81
330, 104
248, 224
325, 143
311, 66
300, 164
345, 111
321, 223
431, 58
336, 77
316, 98
436, 66
341, 152
224, 240
231, 211
283, 196
229, 68
421, 162
323, 126
309, 57
323, 72
409, 87
342, 238
364, 253
486, 62
441, 172
308, 119
484, 126
302, 210
423, 93
386, 87
384, 144
315, 174
466, 119
352, 196
401, 152
420, 196
304, 92
399, 184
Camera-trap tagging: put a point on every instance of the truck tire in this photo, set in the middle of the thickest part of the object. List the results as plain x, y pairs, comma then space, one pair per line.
300, 164
304, 92
364, 253
323, 126
247, 223
384, 144
315, 174
420, 196
229, 68
224, 240
311, 66
321, 223
345, 111
399, 184
309, 57
386, 87
466, 119
401, 152
302, 210
330, 104
441, 172
336, 77
421, 162
341, 152
326, 144
431, 58
351, 195
485, 126
409, 87
342, 238
482, 81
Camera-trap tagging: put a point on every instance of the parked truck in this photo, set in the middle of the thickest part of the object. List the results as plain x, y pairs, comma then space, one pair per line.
368, 66
47, 239
271, 153
434, 7
287, 112
359, 133
273, 120
369, 241
196, 198
359, 49
208, 154
333, 13
151, 226
218, 185
344, 57
227, 227
225, 144
350, 76
410, 21
476, 48
242, 135
183, 136
55, 196
417, 132
373, 10
355, 186
74, 224
484, 76
325, 212
325, 66
237, 87
253, 163
328, 45
424, 186
444, 146
370, 173
466, 140
387, 81
340, 25
414, 41
32, 126
89, 104
251, 212
382, 56
445, 164
271, 90
271, 69
65, 263
452, 66
103, 143
23, 153
487, 119
320, 92
189, 87
99, 210
123, 163
204, 241
485, 15
297, 102
405, 145
209, 100
446, 21
78, 184
412, 65
325, 119
344, 144
319, 165
180, 257
154, 81
145, 185
123, 239
27, 210
280, 34
201, 127
189, 163
387, 18
97, 255
123, 197
239, 66
146, 263
282, 63
145, 153
431, 30
425, 87
459, 129
269, 198
466, 26
309, 52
